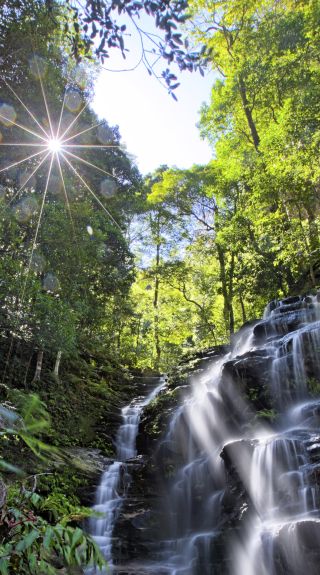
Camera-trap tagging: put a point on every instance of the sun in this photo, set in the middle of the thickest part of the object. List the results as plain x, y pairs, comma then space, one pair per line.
54, 145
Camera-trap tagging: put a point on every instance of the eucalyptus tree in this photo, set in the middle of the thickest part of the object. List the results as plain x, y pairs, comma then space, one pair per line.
265, 104
205, 196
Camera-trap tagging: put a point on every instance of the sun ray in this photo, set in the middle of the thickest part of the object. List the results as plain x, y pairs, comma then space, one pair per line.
89, 163
66, 195
22, 127
37, 228
90, 146
73, 121
84, 131
61, 114
45, 101
29, 178
26, 108
23, 144
91, 191
21, 161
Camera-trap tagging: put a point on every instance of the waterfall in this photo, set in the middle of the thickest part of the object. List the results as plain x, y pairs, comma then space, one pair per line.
222, 449
237, 471
112, 489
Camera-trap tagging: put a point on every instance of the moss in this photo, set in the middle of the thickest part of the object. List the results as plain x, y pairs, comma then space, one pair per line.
313, 386
66, 481
157, 413
83, 406
267, 415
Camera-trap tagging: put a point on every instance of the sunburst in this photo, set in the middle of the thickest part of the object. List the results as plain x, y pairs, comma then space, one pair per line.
53, 145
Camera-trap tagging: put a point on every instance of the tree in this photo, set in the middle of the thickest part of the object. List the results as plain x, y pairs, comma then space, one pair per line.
63, 275
95, 28
97, 21
264, 104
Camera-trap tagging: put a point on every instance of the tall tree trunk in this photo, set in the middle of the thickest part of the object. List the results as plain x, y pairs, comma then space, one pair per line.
119, 336
230, 293
243, 310
248, 112
313, 241
227, 297
57, 364
27, 370
156, 309
37, 374
138, 334
202, 314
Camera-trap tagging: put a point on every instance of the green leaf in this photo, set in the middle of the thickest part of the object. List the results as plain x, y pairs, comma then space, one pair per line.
35, 499
76, 537
4, 565
67, 553
28, 540
33, 562
49, 534
10, 468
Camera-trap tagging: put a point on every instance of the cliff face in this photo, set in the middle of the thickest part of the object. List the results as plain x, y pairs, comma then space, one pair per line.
202, 447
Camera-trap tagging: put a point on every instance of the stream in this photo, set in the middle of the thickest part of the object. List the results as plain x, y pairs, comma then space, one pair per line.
116, 479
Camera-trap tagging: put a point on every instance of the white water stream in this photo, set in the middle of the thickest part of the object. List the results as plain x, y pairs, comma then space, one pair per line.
108, 497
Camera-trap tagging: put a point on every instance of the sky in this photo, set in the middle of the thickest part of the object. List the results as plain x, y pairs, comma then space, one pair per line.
154, 127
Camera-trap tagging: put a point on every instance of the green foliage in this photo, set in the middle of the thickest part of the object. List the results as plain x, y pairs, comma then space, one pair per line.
28, 424
60, 508
266, 415
245, 228
29, 544
313, 386
68, 285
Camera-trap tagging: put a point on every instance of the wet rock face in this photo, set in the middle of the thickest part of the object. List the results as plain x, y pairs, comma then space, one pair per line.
143, 515
251, 374
236, 501
136, 526
296, 548
285, 316
156, 416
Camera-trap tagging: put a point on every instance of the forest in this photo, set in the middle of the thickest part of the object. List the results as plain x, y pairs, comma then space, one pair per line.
109, 278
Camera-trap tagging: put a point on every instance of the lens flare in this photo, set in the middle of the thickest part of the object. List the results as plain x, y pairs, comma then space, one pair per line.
54, 141
54, 145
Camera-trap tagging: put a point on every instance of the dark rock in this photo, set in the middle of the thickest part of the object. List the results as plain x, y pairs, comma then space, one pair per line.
208, 353
283, 323
290, 300
137, 523
237, 457
250, 374
293, 307
91, 462
308, 299
296, 548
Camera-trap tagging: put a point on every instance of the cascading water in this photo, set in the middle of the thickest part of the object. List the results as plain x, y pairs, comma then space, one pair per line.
108, 498
216, 431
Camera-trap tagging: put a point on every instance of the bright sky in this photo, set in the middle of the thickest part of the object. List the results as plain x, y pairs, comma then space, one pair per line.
155, 128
